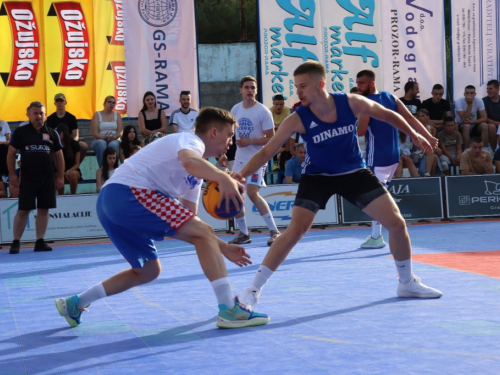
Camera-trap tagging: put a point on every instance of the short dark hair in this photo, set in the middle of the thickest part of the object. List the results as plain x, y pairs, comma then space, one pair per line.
311, 68
36, 104
246, 79
185, 92
494, 83
278, 97
211, 116
366, 73
424, 111
353, 90
438, 86
410, 85
470, 87
476, 140
448, 119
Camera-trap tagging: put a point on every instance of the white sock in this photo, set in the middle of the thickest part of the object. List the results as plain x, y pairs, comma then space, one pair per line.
376, 229
268, 218
91, 295
404, 270
260, 279
223, 292
242, 224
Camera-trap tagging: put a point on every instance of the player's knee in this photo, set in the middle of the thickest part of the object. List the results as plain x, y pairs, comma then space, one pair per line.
396, 224
204, 231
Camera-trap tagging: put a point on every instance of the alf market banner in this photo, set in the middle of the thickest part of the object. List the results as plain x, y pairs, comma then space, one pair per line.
413, 45
475, 33
343, 35
160, 51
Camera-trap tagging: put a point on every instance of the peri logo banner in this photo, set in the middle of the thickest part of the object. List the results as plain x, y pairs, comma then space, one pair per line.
475, 33
70, 64
22, 64
160, 51
111, 78
413, 45
342, 35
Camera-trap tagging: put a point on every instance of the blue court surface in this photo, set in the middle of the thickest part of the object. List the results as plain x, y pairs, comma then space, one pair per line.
333, 310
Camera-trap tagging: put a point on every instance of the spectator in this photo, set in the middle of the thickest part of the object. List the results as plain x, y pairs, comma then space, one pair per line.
405, 160
410, 98
450, 142
438, 107
182, 119
280, 112
423, 117
71, 153
104, 173
61, 116
293, 168
134, 149
40, 147
492, 107
496, 160
3, 190
476, 160
107, 128
353, 90
4, 148
467, 109
151, 120
129, 139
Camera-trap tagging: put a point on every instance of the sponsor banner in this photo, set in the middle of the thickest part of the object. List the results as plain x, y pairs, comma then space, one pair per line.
70, 64
74, 217
110, 54
22, 65
417, 199
475, 39
160, 50
351, 42
413, 45
280, 199
473, 195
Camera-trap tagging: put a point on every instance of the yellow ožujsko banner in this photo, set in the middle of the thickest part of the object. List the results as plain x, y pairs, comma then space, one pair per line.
69, 57
110, 54
22, 64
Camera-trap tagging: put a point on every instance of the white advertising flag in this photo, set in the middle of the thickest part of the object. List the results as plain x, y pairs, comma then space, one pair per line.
160, 52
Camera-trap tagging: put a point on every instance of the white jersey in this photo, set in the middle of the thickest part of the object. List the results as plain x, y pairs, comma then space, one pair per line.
184, 122
253, 122
157, 167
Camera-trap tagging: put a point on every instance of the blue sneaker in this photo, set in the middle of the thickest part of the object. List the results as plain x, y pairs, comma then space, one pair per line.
239, 316
67, 308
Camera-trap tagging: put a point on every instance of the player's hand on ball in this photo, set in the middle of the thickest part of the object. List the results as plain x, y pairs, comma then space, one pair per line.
230, 191
236, 254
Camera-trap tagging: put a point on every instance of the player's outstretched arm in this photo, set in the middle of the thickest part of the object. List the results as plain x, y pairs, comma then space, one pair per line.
363, 106
415, 124
234, 253
289, 126
230, 190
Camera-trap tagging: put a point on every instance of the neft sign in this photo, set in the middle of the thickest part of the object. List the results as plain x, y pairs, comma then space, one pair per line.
473, 195
26, 44
417, 198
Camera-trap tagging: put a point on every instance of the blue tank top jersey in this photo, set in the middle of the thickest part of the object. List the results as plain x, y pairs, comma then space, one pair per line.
331, 148
382, 139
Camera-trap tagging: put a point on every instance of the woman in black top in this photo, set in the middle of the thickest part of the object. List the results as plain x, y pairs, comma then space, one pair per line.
129, 139
151, 120
71, 152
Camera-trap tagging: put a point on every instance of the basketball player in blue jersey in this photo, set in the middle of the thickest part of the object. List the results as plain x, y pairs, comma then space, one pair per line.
382, 141
333, 165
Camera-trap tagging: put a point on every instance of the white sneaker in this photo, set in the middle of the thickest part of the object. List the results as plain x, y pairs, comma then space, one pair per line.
250, 297
415, 289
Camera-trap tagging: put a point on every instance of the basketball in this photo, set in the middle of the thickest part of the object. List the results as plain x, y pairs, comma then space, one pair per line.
211, 196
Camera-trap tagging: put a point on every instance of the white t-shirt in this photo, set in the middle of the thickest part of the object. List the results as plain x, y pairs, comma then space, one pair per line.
184, 122
253, 122
157, 167
5, 129
461, 105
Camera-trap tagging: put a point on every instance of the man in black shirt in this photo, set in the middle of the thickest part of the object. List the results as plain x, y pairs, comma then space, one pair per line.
410, 99
61, 116
438, 107
39, 147
492, 107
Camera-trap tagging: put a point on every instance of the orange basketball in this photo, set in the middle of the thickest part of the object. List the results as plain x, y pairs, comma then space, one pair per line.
211, 196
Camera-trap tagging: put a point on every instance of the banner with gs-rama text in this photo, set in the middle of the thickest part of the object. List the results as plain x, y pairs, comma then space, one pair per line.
160, 51
413, 45
111, 78
475, 44
70, 63
22, 64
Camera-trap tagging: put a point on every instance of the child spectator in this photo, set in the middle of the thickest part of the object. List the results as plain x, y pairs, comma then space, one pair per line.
71, 153
109, 165
450, 143
405, 147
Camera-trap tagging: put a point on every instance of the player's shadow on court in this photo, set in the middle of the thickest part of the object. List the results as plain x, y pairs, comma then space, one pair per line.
169, 337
